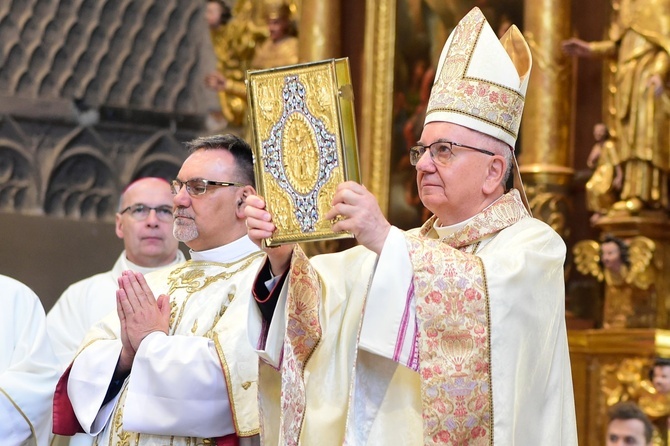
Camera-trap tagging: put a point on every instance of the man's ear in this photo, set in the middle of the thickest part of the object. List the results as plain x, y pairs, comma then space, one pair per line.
241, 198
495, 174
119, 226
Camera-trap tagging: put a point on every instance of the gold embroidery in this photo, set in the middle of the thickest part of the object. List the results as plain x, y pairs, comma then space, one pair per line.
191, 277
475, 247
173, 312
194, 328
303, 334
229, 385
219, 315
123, 438
490, 361
453, 318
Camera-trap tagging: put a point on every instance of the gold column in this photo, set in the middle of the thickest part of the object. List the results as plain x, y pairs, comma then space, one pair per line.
319, 30
375, 135
546, 159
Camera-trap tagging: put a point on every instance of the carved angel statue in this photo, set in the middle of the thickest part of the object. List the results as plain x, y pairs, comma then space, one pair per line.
628, 269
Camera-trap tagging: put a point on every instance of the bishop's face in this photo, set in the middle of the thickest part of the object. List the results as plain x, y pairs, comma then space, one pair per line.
454, 192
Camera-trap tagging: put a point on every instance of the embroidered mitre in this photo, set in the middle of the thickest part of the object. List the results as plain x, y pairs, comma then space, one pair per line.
481, 81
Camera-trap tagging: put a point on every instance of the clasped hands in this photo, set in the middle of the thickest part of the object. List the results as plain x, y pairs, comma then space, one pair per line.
140, 314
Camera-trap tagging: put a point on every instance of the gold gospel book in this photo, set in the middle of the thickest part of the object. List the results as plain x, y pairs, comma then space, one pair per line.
304, 142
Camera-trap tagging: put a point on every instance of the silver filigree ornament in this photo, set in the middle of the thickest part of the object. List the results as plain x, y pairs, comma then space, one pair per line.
305, 204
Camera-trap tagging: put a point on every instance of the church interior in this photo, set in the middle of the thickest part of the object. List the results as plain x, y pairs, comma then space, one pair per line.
97, 93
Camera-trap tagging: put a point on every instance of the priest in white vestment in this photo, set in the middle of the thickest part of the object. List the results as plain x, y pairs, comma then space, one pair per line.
452, 333
174, 365
144, 223
28, 367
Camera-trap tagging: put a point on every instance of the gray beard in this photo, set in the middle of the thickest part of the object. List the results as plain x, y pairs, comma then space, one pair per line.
185, 232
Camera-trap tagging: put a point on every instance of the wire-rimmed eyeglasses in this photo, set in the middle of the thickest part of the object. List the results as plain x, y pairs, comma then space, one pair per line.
198, 186
440, 152
141, 212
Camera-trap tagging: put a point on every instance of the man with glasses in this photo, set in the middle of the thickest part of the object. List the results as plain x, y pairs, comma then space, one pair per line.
174, 366
144, 223
452, 333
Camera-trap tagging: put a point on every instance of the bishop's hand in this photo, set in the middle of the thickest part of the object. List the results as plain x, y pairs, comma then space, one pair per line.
356, 210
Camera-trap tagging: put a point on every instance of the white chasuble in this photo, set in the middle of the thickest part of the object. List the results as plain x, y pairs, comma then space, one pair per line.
84, 303
207, 344
28, 367
454, 341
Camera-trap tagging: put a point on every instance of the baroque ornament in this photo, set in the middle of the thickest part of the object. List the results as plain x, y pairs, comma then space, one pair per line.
308, 169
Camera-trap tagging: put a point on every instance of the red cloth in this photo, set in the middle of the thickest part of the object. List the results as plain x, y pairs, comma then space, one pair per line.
228, 440
65, 421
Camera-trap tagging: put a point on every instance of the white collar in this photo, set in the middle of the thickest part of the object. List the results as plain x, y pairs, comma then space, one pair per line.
179, 258
445, 231
231, 252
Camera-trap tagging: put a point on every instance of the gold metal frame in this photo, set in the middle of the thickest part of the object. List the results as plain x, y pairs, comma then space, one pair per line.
298, 169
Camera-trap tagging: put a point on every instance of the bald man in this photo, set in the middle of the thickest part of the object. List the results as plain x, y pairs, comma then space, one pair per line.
144, 223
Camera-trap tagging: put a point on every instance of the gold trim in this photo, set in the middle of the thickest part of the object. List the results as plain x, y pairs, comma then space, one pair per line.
488, 334
379, 57
18, 409
229, 386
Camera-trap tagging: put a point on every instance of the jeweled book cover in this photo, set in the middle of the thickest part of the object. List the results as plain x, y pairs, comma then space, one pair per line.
304, 140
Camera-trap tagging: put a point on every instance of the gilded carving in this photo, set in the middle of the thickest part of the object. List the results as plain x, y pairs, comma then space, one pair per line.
549, 206
623, 381
629, 270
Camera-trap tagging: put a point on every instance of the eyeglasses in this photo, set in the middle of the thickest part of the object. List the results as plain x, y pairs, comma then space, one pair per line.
198, 186
440, 152
141, 212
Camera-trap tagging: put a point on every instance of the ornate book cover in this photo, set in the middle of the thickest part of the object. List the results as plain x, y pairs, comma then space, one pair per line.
304, 141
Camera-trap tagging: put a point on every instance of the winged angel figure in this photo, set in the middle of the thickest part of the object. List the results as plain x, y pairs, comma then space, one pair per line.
628, 270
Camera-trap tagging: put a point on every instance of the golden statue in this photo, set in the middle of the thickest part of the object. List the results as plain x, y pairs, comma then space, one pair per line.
607, 177
629, 271
281, 47
258, 35
639, 42
234, 37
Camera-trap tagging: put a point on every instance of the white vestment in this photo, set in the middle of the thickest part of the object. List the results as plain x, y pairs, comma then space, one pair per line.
85, 302
80, 306
198, 382
362, 385
28, 367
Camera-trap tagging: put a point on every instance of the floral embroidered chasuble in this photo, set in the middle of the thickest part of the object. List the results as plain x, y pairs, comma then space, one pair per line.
449, 341
452, 312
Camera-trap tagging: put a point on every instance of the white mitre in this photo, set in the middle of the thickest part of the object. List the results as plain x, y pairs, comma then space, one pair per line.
481, 81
